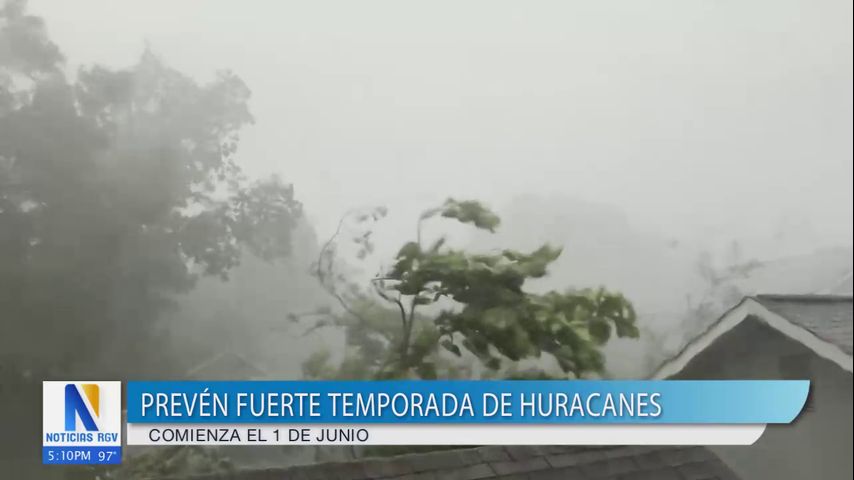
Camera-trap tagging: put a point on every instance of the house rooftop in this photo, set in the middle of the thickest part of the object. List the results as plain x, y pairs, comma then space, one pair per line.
828, 317
822, 323
517, 462
226, 364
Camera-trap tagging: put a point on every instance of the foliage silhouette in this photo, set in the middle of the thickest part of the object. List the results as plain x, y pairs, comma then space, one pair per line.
436, 304
118, 189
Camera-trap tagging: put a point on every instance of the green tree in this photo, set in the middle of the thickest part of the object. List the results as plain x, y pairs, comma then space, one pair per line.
118, 189
436, 304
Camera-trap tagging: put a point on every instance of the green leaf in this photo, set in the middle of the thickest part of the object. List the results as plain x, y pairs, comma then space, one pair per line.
471, 211
451, 347
600, 330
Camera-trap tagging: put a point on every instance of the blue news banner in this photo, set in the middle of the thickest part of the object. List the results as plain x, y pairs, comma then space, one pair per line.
466, 402
82, 421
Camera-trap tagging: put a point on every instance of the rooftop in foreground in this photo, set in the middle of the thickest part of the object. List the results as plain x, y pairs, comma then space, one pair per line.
515, 462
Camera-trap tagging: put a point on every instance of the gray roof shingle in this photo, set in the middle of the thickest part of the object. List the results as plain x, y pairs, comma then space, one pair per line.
515, 462
828, 317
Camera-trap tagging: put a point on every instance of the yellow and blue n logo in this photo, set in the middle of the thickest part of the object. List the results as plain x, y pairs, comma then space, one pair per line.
75, 406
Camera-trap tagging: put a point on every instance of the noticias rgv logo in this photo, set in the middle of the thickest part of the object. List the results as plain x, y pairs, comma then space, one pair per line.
76, 408
81, 422
78, 413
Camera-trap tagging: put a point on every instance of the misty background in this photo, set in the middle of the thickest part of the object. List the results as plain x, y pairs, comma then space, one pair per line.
701, 122
636, 135
659, 143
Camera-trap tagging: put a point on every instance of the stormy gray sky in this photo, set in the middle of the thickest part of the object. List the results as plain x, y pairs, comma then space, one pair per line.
703, 120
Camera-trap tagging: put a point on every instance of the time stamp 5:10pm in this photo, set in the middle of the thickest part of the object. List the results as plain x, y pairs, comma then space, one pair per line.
82, 455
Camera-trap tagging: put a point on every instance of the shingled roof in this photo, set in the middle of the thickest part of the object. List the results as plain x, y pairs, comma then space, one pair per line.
515, 462
822, 323
828, 317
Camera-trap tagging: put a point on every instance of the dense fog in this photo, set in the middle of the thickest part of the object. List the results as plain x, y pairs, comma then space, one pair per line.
189, 189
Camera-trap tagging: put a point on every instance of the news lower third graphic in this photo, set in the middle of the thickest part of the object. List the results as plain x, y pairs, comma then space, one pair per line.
83, 420
460, 412
82, 423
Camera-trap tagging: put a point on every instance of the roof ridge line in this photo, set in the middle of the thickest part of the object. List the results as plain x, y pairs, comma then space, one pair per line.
752, 306
805, 297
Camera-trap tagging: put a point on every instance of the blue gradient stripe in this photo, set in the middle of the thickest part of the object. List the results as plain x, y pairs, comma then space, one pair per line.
682, 402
